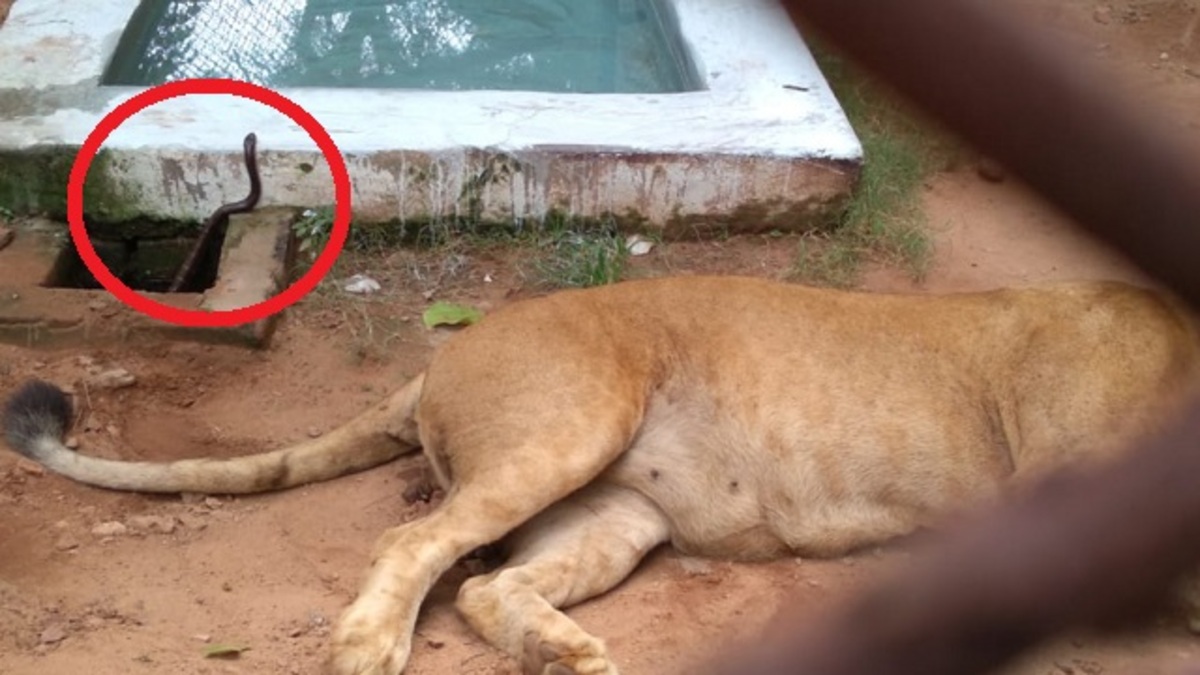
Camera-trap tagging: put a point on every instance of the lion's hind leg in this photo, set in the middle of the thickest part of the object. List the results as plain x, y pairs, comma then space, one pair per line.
577, 549
482, 506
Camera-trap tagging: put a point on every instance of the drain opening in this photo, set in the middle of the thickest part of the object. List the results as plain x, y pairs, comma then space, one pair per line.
144, 264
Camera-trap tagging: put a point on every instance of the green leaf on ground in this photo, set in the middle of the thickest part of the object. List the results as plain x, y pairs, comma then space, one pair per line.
450, 314
224, 651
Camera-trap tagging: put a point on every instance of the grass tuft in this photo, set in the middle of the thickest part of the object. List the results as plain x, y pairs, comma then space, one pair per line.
884, 220
577, 254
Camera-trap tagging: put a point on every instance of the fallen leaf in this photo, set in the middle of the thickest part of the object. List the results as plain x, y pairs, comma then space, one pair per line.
224, 651
450, 314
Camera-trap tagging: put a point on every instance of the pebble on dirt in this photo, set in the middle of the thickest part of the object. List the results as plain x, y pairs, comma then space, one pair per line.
66, 542
113, 378
695, 566
152, 524
636, 244
52, 634
110, 528
361, 284
30, 468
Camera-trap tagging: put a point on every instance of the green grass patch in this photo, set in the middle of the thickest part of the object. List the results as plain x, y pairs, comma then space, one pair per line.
883, 220
564, 251
578, 254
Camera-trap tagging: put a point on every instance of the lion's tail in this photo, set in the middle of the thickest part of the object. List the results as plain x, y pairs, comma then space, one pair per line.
39, 414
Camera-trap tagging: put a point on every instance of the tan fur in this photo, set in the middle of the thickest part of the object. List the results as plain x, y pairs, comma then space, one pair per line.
729, 417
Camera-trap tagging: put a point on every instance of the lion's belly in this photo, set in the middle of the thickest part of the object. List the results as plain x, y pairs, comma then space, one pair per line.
732, 491
714, 509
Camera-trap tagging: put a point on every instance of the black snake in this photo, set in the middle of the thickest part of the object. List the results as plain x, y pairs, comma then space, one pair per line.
214, 228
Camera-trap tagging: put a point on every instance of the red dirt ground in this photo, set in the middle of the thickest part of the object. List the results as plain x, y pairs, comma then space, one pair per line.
271, 572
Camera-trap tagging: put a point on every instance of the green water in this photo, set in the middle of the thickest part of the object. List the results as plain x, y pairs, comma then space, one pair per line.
579, 46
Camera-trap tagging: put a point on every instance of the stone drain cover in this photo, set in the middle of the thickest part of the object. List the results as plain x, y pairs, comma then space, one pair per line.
48, 300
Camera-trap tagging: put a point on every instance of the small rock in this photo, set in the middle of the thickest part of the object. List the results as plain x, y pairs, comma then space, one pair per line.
202, 637
83, 360
113, 430
91, 423
212, 502
192, 522
158, 524
72, 442
66, 542
52, 634
1103, 14
636, 244
97, 305
30, 468
695, 566
435, 644
317, 620
113, 378
110, 528
361, 284
313, 432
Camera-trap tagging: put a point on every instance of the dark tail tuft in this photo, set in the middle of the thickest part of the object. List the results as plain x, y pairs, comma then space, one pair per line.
37, 410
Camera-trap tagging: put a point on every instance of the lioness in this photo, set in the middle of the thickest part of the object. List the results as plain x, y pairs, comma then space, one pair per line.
731, 417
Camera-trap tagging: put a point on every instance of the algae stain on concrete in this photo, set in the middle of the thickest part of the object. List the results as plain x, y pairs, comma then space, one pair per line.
33, 181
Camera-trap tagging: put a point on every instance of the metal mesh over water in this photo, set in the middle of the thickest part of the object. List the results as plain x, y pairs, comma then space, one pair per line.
581, 46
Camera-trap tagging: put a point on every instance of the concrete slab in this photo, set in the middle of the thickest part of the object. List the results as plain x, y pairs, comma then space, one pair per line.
258, 252
255, 258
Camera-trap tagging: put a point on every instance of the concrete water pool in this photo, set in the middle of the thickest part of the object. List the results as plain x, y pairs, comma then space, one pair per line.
741, 132
575, 46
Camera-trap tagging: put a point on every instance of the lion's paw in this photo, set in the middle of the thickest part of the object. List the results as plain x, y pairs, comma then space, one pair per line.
542, 658
359, 649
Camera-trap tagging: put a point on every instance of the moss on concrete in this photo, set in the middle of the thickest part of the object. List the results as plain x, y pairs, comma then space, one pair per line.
33, 181
756, 217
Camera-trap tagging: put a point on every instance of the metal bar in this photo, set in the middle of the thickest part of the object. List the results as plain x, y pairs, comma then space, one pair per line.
1069, 553
998, 80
